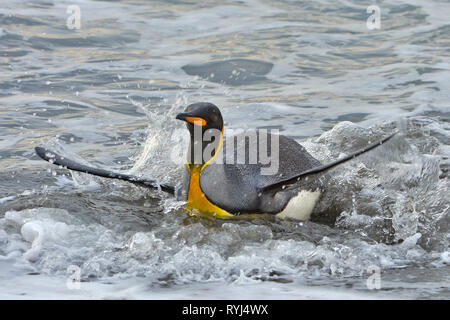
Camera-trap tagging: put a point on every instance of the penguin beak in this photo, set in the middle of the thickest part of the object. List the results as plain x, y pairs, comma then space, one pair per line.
191, 119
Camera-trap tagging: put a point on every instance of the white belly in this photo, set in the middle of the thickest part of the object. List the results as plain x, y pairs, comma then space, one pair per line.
301, 206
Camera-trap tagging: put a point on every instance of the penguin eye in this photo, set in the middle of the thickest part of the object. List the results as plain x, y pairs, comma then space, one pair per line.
213, 117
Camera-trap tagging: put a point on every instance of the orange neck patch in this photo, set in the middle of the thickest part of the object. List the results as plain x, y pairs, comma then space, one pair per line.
196, 120
197, 200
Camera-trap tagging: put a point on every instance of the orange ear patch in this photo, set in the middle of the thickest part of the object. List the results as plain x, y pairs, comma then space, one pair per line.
196, 121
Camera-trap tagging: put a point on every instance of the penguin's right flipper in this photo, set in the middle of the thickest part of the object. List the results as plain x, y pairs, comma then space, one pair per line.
56, 159
320, 170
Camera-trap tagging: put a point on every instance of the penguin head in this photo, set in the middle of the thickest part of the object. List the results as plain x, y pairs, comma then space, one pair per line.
203, 114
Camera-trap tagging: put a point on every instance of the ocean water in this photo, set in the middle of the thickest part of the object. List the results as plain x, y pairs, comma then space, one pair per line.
107, 94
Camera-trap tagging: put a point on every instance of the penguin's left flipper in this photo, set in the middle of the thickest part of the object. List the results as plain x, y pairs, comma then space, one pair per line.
56, 159
320, 170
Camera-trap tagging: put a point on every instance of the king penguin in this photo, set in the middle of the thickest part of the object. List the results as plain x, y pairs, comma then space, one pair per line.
231, 177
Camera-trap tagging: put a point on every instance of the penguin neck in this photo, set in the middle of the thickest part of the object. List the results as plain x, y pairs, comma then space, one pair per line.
202, 151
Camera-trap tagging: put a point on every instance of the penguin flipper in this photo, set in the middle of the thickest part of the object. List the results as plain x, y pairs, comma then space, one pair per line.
323, 168
56, 159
